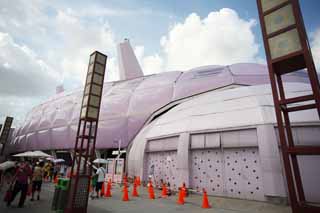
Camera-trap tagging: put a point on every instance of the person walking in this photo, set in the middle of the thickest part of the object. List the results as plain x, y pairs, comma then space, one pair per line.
21, 177
36, 180
101, 173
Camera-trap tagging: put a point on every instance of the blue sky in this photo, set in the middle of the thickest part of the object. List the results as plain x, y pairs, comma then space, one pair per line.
47, 43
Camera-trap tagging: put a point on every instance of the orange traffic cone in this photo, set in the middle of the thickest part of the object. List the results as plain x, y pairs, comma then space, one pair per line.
164, 191
102, 190
108, 192
138, 181
135, 192
180, 197
125, 193
151, 191
205, 202
184, 190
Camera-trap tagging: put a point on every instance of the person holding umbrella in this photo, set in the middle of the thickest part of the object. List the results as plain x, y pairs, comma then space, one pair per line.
101, 173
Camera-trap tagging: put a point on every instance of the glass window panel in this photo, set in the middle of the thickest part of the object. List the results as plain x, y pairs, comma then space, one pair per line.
284, 44
85, 100
269, 4
97, 79
279, 19
92, 112
89, 78
83, 112
94, 101
96, 90
86, 91
92, 58
99, 69
90, 69
101, 59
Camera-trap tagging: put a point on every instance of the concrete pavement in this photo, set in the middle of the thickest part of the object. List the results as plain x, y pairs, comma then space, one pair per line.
143, 204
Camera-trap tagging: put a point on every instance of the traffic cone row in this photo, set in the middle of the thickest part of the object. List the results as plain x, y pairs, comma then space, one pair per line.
181, 196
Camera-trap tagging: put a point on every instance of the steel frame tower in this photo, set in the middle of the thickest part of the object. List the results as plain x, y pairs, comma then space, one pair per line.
84, 151
281, 21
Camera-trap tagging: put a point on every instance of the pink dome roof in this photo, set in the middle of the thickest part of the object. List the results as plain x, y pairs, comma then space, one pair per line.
126, 105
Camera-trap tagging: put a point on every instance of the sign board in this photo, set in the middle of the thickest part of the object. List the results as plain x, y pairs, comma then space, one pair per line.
5, 131
116, 152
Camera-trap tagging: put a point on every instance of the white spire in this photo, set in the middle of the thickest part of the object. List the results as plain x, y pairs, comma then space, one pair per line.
128, 64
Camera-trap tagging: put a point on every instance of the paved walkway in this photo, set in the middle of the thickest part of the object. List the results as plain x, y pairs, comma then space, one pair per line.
143, 204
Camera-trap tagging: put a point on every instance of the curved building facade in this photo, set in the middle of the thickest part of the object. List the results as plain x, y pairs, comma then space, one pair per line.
126, 105
211, 127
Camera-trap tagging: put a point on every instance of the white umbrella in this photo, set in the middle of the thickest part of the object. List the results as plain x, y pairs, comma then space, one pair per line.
50, 159
35, 154
58, 160
40, 154
24, 154
100, 160
7, 165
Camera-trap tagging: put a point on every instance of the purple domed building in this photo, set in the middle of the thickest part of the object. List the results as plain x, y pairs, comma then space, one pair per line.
211, 127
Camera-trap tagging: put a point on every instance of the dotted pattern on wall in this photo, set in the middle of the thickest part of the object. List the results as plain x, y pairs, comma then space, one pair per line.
206, 171
164, 167
231, 172
243, 173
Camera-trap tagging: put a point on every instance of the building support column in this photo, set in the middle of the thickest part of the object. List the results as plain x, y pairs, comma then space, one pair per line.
183, 159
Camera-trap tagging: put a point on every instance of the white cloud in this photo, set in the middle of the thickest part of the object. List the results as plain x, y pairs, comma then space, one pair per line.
17, 107
80, 39
149, 63
22, 68
315, 47
39, 50
220, 38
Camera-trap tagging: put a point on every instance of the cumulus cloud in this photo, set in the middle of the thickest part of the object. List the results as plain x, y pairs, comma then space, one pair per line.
79, 40
315, 47
43, 45
220, 38
149, 63
17, 107
22, 68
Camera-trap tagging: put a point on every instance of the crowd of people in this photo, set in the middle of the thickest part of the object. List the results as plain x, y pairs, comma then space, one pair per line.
27, 177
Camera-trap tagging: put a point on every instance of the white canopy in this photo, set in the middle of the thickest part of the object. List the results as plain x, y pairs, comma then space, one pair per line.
35, 154
7, 165
100, 160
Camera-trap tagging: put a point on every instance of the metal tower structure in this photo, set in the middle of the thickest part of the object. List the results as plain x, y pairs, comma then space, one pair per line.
84, 151
287, 50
